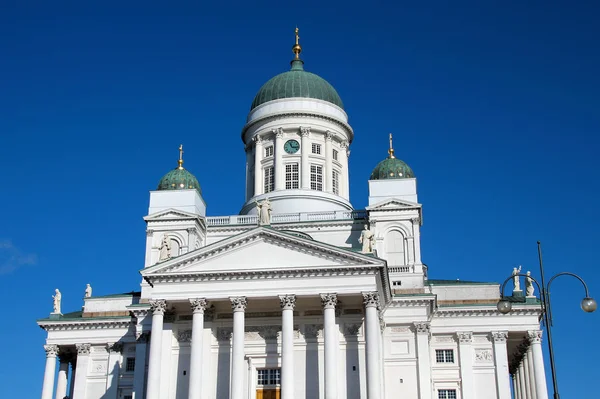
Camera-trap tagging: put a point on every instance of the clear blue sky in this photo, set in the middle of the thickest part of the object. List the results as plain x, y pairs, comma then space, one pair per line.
493, 104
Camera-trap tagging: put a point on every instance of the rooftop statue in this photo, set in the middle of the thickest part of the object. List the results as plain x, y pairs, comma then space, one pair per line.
516, 279
88, 291
529, 285
367, 239
264, 212
57, 298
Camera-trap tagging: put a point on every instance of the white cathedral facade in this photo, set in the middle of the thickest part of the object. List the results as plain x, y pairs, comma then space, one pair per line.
299, 296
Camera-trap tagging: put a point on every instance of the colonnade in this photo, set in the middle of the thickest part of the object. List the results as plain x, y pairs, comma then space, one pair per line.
287, 303
527, 369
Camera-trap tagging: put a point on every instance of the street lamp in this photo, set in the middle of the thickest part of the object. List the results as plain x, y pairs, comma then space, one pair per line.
588, 304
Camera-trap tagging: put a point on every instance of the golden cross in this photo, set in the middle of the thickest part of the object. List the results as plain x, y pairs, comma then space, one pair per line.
297, 37
391, 150
180, 162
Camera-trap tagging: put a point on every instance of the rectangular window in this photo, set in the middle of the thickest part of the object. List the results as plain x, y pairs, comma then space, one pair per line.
268, 377
444, 356
268, 151
269, 179
316, 149
128, 397
316, 177
447, 394
292, 177
130, 364
335, 182
335, 155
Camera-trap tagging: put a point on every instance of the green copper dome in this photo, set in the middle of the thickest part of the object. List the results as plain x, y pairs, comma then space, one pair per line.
179, 178
297, 83
391, 168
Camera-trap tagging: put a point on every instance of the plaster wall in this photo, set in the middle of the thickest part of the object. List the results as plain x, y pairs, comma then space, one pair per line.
183, 200
381, 190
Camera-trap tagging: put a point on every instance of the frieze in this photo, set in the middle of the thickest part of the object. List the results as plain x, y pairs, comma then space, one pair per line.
481, 338
286, 115
399, 330
483, 356
444, 339
86, 325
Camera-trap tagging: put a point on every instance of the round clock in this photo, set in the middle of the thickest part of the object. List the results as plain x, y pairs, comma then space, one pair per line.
291, 146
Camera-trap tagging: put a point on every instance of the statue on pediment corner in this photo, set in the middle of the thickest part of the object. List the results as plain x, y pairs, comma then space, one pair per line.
264, 212
57, 297
367, 239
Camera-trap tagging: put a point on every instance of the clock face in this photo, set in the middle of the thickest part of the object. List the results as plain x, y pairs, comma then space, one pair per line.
291, 146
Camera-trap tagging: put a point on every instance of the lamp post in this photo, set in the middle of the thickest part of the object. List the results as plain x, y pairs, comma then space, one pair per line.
588, 305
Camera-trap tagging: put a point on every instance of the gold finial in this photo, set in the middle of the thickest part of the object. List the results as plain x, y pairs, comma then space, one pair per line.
391, 150
180, 162
297, 49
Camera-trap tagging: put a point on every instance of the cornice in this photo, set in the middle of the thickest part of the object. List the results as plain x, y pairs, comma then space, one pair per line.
270, 274
488, 311
283, 115
83, 324
405, 302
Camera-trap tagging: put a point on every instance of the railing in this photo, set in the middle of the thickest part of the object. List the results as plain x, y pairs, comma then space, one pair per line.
286, 218
399, 269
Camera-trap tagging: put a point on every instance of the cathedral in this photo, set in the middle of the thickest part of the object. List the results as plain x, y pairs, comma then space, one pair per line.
298, 295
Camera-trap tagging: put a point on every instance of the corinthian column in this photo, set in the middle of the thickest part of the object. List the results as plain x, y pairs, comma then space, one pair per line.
423, 360
329, 301
371, 302
83, 358
198, 307
258, 172
328, 180
535, 340
158, 307
304, 151
501, 360
48, 386
288, 302
238, 305
465, 352
278, 167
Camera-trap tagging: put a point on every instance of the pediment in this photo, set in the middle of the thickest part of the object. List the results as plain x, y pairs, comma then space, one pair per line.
261, 250
393, 204
170, 214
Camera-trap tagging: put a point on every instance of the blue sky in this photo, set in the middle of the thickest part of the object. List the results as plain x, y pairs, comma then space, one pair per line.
493, 104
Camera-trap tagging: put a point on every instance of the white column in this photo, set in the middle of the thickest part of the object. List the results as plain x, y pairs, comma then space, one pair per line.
515, 382
158, 307
371, 302
344, 178
139, 371
112, 372
198, 307
83, 357
416, 224
328, 163
528, 381
465, 353
238, 305
535, 340
49, 371
501, 362
73, 375
258, 172
531, 372
278, 167
522, 386
423, 360
249, 176
329, 301
149, 237
304, 151
288, 302
63, 376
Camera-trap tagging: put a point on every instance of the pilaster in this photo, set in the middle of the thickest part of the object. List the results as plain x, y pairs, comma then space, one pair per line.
465, 350
423, 331
83, 356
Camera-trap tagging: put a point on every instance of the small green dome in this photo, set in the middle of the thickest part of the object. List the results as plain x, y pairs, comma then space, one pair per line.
179, 179
297, 83
392, 168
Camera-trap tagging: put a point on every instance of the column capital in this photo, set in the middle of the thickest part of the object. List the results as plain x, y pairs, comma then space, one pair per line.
499, 336
329, 301
304, 131
115, 347
328, 135
464, 337
371, 299
83, 349
198, 305
257, 140
534, 336
149, 232
51, 350
344, 144
191, 230
239, 303
278, 132
423, 328
158, 306
287, 302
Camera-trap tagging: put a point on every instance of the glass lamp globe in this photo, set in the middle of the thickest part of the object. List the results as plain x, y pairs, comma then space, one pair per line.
589, 305
504, 306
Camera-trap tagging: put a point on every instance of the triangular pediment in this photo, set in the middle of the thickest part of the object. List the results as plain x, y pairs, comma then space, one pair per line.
393, 204
260, 250
170, 214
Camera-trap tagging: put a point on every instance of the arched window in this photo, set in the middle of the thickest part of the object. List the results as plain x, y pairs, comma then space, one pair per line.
394, 248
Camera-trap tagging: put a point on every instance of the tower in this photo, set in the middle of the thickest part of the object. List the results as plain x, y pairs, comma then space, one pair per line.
176, 221
296, 139
395, 218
